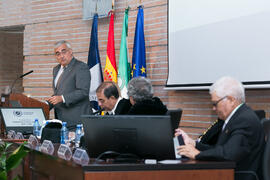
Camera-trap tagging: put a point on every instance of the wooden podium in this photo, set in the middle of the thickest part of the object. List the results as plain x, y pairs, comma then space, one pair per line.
24, 101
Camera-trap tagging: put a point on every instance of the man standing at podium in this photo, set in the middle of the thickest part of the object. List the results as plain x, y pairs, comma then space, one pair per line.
71, 83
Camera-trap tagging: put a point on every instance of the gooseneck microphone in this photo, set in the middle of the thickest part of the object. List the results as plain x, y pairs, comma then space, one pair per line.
25, 74
21, 76
97, 112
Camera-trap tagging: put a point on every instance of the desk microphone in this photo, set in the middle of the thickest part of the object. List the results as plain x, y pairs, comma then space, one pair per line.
21, 76
98, 112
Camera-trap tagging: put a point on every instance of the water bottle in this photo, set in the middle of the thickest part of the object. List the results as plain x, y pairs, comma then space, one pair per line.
36, 128
78, 135
64, 133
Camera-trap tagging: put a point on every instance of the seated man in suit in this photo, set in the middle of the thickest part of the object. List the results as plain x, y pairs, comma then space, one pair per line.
109, 99
140, 92
241, 139
210, 136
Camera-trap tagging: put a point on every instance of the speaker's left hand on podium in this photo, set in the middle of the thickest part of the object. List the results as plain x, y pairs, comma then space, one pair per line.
55, 100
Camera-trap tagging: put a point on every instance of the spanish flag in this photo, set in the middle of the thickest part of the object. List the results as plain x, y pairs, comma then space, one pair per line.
110, 71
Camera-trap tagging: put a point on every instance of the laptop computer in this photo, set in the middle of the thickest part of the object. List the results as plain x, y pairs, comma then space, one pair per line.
21, 119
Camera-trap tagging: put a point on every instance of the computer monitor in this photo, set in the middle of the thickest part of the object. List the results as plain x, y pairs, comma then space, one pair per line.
148, 137
175, 118
21, 119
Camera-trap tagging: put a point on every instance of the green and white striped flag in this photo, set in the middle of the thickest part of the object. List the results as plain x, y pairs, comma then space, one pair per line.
124, 67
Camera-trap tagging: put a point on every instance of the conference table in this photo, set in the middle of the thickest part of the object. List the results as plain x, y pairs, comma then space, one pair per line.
38, 165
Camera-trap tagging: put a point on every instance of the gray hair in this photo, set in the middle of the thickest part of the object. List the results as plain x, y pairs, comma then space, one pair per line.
59, 43
228, 86
140, 88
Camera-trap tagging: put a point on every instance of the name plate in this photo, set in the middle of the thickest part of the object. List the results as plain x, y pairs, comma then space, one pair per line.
47, 147
64, 152
11, 134
80, 156
33, 142
19, 135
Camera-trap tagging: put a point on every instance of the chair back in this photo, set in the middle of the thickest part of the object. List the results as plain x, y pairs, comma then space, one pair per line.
266, 160
260, 113
266, 127
175, 118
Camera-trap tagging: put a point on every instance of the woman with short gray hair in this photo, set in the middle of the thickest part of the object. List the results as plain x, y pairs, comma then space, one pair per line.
140, 92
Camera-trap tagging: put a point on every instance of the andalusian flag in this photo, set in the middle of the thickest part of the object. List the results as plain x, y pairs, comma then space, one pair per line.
138, 57
123, 68
110, 71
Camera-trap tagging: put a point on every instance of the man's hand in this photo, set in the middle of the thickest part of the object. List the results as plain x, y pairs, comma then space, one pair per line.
55, 100
186, 138
188, 151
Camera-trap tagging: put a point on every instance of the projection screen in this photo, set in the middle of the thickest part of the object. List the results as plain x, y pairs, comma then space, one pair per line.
209, 39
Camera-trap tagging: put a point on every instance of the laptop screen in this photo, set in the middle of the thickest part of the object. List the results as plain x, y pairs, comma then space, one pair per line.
21, 119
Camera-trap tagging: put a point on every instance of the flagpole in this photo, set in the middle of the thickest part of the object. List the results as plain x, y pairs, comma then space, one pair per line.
112, 4
96, 8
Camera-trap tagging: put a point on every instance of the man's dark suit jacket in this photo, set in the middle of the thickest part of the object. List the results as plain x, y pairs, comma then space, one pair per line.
123, 107
74, 86
211, 135
242, 141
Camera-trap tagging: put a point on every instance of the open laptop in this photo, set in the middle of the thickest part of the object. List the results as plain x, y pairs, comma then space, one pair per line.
21, 119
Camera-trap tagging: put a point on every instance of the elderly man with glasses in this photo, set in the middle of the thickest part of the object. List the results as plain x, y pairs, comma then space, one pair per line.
241, 139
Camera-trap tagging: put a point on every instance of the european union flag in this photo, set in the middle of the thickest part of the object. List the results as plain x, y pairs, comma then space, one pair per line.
138, 57
94, 64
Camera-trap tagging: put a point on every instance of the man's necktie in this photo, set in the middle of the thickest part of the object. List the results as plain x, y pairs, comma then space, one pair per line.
60, 77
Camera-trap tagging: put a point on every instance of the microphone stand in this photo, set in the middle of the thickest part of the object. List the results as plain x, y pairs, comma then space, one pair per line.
21, 76
5, 96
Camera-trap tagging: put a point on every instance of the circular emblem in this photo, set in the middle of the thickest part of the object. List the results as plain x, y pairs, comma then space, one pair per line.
17, 113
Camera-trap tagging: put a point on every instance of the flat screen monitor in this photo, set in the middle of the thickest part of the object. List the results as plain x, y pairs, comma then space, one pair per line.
148, 137
175, 118
21, 119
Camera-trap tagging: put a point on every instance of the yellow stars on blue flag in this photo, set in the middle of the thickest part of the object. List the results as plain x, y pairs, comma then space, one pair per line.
138, 57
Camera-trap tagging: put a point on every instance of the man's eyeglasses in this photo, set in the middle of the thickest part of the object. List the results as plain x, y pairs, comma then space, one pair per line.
216, 103
63, 51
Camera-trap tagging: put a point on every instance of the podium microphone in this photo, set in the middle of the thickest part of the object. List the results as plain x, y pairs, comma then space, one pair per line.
21, 76
25, 74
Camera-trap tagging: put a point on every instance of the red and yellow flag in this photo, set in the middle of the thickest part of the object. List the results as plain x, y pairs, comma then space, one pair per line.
110, 70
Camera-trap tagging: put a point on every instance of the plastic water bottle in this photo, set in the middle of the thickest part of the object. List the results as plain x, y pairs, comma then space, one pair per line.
64, 133
78, 135
36, 128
